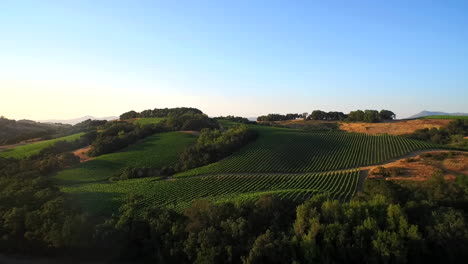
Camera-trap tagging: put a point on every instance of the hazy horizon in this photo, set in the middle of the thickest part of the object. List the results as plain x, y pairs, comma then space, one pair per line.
66, 60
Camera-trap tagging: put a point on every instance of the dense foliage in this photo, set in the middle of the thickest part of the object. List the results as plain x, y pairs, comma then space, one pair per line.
160, 112
454, 134
370, 116
321, 115
278, 117
237, 119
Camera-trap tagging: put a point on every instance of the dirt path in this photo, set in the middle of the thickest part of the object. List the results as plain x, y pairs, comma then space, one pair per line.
81, 153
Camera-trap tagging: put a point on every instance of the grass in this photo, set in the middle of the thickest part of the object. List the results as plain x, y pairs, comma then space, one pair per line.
28, 150
444, 117
105, 197
154, 151
148, 120
295, 151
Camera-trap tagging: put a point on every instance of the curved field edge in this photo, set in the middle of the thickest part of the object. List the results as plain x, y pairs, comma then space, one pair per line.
295, 151
28, 150
155, 151
106, 197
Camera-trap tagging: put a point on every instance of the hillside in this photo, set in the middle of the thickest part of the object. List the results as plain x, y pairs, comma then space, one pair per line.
105, 197
154, 151
34, 148
12, 131
288, 150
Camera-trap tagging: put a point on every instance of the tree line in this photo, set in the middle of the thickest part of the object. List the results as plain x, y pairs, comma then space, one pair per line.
160, 112
370, 116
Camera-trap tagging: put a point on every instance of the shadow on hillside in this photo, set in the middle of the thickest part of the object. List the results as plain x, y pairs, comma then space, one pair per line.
99, 203
88, 172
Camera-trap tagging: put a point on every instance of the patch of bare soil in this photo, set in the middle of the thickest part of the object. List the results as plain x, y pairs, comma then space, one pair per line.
25, 142
423, 166
81, 153
195, 133
398, 127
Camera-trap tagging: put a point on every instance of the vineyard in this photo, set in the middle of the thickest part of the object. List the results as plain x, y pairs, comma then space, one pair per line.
153, 152
179, 193
292, 164
28, 150
295, 151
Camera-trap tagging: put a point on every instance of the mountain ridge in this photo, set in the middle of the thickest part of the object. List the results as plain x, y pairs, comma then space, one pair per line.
431, 113
74, 121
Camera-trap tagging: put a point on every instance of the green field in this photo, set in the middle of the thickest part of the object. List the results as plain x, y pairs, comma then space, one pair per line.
34, 148
295, 151
148, 121
444, 117
153, 152
105, 197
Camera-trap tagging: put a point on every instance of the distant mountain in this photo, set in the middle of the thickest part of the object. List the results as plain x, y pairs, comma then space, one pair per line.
77, 120
431, 113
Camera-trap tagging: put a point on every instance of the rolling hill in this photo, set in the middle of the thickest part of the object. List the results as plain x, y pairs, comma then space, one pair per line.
435, 113
34, 148
154, 151
295, 151
293, 164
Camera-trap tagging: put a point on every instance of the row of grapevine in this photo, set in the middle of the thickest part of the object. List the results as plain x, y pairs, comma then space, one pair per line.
293, 151
181, 192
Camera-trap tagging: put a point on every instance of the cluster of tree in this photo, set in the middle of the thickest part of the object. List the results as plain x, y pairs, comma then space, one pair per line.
120, 134
160, 112
279, 117
34, 215
452, 134
237, 119
213, 145
321, 115
370, 116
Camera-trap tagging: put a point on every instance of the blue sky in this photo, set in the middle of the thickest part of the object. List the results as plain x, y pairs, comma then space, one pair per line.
64, 59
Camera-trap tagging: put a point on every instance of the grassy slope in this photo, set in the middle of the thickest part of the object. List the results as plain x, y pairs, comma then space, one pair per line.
295, 151
148, 120
105, 197
444, 117
154, 151
34, 148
